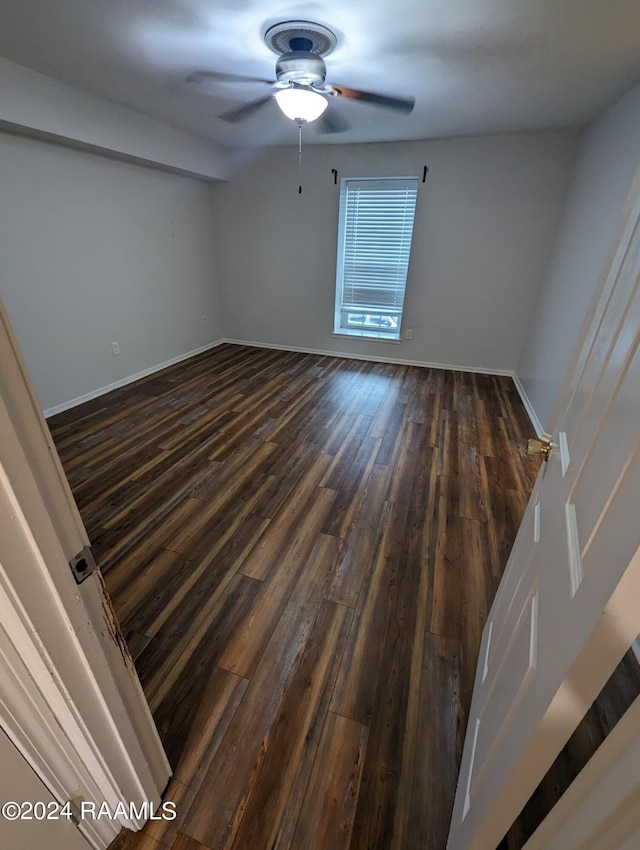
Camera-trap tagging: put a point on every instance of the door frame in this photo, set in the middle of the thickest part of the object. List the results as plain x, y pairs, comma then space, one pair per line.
70, 698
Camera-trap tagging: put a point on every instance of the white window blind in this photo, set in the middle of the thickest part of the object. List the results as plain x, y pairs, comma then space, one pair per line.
374, 243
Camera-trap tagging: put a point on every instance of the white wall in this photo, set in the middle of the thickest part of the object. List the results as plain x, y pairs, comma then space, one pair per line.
484, 230
19, 782
33, 104
608, 158
94, 251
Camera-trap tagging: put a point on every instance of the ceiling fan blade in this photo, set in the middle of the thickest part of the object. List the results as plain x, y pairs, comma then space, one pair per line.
332, 122
221, 77
240, 113
398, 104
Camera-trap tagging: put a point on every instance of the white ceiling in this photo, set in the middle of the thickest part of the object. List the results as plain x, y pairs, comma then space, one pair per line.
474, 66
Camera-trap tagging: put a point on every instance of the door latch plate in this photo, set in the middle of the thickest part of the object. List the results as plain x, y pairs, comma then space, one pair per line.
83, 565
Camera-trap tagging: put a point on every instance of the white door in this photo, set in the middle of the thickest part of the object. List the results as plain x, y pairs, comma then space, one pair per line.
568, 607
70, 699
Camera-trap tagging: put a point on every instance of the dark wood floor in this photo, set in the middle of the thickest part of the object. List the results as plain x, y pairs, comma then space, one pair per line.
302, 552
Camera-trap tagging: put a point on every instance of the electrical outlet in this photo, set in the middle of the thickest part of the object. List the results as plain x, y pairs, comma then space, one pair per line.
408, 334
116, 347
204, 320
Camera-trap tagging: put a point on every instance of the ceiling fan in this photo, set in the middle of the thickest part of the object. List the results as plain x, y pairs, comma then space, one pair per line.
300, 89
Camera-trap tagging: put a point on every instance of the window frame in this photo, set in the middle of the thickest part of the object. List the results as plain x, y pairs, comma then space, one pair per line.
340, 327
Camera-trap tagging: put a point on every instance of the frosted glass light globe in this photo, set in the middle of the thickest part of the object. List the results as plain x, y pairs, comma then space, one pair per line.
301, 104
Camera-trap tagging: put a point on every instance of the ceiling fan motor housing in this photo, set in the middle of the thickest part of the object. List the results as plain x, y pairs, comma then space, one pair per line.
301, 68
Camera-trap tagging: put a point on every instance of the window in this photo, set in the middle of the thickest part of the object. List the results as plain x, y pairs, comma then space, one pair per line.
374, 241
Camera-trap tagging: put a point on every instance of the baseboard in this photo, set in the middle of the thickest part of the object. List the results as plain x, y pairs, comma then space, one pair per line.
349, 356
74, 402
533, 416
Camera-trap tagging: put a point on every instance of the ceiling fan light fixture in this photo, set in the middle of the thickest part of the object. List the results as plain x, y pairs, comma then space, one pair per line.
300, 104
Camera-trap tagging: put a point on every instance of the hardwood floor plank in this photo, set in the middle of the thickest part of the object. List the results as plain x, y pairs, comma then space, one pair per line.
446, 614
502, 525
328, 808
312, 562
363, 541
174, 715
387, 408
271, 812
289, 465
351, 489
465, 408
414, 464
142, 592
101, 494
214, 558
129, 522
220, 700
391, 714
261, 559
448, 443
215, 711
183, 842
355, 692
485, 423
245, 462
136, 643
216, 502
478, 579
392, 441
127, 840
422, 540
424, 821
471, 500
238, 761
338, 473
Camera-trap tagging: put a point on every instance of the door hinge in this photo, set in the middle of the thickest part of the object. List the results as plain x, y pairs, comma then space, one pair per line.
83, 565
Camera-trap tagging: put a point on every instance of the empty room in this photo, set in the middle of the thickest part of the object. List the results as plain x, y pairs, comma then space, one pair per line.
319, 404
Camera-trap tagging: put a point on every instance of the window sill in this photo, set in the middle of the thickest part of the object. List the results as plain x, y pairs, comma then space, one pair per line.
371, 337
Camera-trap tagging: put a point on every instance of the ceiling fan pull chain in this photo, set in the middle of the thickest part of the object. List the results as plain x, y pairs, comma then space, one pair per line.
300, 157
